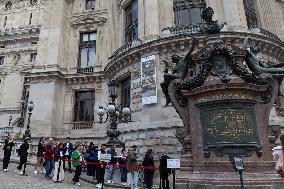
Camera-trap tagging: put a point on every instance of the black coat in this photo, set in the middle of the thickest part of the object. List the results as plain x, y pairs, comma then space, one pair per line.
163, 165
148, 162
8, 144
23, 151
40, 149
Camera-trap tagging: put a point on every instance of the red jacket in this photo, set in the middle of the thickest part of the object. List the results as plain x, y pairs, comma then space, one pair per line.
49, 152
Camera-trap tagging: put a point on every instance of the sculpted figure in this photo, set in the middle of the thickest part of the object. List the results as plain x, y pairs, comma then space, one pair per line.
179, 72
255, 65
210, 26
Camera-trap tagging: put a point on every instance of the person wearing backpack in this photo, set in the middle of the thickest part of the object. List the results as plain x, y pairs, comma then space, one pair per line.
164, 171
23, 153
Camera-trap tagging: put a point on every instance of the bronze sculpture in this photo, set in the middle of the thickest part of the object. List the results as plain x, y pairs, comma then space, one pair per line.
179, 72
254, 64
210, 26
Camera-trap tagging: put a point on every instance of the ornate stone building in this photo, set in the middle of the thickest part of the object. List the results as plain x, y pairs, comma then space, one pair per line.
61, 54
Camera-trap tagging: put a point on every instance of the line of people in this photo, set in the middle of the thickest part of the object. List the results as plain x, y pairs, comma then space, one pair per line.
53, 157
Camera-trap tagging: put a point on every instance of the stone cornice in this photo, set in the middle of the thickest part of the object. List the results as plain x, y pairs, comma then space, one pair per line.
175, 44
54, 75
89, 19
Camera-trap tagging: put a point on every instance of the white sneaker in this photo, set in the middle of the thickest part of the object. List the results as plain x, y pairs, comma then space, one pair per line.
97, 185
5, 170
35, 172
78, 184
19, 171
108, 181
100, 186
123, 183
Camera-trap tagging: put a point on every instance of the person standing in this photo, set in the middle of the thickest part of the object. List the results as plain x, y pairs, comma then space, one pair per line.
122, 166
101, 167
278, 156
67, 154
49, 157
132, 167
8, 145
90, 167
148, 162
164, 171
77, 159
113, 161
58, 174
23, 153
40, 155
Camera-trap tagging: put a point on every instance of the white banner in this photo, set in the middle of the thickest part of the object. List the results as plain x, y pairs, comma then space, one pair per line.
148, 80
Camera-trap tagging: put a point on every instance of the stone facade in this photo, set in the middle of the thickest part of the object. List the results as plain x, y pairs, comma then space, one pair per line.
52, 28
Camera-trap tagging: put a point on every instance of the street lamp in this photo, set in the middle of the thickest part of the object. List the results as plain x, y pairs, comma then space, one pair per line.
114, 115
10, 120
23, 105
30, 108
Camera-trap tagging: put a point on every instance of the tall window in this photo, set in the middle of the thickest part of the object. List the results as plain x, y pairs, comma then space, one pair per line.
125, 92
90, 4
84, 106
188, 12
33, 57
1, 60
87, 49
250, 13
131, 31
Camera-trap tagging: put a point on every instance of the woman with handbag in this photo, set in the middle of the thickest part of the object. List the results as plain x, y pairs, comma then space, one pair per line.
278, 157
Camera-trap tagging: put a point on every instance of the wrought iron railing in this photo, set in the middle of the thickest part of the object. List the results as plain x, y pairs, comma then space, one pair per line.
126, 47
85, 70
82, 125
182, 29
266, 33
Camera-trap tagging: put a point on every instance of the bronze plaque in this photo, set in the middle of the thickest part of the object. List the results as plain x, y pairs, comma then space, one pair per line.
229, 128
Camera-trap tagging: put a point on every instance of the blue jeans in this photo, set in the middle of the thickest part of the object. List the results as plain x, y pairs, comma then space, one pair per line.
133, 179
48, 167
110, 171
123, 174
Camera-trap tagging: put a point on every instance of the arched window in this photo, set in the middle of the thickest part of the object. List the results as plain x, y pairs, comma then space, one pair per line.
250, 13
188, 12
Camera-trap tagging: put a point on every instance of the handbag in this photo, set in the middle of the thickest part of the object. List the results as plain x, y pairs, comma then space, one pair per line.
281, 173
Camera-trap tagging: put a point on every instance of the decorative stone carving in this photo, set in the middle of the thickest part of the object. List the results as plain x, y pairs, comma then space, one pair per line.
89, 20
10, 5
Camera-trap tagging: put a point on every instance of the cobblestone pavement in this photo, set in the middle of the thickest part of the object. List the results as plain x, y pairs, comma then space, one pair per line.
12, 180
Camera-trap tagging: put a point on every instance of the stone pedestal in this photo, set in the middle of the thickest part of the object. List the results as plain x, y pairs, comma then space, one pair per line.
225, 110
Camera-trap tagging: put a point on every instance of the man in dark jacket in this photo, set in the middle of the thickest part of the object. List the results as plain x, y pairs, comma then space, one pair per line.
112, 162
23, 153
68, 146
7, 151
164, 171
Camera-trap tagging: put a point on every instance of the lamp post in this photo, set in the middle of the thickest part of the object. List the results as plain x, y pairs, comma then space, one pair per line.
114, 115
10, 120
23, 105
30, 108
